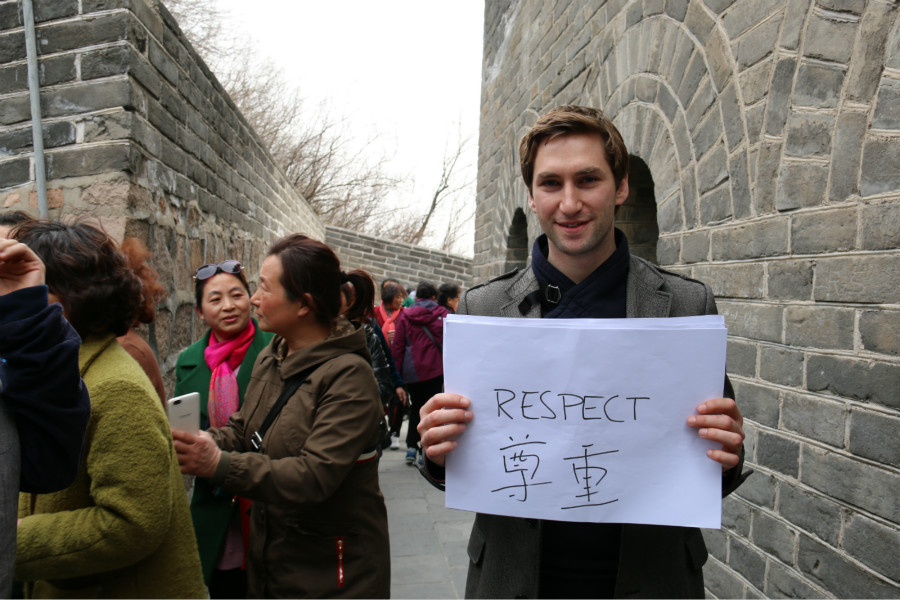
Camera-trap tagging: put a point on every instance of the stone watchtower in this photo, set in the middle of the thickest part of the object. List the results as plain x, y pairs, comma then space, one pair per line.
765, 137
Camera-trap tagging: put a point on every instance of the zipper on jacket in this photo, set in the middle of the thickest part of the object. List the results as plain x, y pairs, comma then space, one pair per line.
339, 547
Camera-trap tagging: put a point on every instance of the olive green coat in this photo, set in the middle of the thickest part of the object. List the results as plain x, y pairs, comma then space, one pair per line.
123, 528
211, 510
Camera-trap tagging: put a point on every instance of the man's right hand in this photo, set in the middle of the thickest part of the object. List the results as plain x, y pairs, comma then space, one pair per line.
20, 267
444, 417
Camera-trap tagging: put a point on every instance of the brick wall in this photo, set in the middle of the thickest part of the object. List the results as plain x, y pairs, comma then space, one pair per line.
406, 263
771, 130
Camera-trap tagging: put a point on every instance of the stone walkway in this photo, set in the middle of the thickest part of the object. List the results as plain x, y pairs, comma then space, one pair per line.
428, 541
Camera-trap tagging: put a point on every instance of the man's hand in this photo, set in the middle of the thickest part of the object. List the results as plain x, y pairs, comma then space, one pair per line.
444, 417
19, 267
720, 420
197, 454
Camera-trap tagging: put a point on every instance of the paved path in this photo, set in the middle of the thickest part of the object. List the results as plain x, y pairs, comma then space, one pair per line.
428, 541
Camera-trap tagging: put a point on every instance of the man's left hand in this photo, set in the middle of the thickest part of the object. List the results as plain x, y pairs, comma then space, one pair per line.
720, 420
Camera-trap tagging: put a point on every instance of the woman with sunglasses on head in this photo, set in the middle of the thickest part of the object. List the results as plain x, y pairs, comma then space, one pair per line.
304, 447
218, 367
123, 528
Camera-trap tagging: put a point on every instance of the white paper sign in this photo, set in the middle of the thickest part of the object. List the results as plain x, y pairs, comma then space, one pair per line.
585, 419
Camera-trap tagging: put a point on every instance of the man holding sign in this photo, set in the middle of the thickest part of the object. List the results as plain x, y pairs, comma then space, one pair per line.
575, 166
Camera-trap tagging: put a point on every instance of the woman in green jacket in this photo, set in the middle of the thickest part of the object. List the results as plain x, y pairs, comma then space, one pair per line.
218, 367
123, 528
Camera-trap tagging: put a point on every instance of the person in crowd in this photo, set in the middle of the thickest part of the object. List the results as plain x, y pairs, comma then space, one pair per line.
575, 167
358, 295
218, 367
44, 405
123, 528
152, 293
386, 313
304, 446
448, 296
418, 349
9, 220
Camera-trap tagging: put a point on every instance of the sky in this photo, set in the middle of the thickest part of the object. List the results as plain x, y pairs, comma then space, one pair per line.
406, 71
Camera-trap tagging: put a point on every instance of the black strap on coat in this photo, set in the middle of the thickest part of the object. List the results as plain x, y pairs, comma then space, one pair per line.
431, 337
290, 386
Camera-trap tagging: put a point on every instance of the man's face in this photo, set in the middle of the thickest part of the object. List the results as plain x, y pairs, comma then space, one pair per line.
574, 196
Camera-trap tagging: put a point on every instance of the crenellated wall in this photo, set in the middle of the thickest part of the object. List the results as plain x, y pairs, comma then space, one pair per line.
767, 133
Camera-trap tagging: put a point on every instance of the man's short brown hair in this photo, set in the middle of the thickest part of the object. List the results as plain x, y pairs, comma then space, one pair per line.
567, 120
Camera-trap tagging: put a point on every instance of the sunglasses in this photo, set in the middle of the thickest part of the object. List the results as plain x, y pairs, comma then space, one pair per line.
232, 267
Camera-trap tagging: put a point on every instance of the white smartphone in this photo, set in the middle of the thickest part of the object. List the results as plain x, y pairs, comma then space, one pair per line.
184, 412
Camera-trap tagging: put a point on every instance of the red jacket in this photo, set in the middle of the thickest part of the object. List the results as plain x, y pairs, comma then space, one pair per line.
418, 357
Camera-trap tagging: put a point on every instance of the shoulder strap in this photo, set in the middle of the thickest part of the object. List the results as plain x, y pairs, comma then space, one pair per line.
431, 337
290, 386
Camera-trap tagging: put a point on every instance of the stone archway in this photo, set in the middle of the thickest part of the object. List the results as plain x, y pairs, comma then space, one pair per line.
517, 242
637, 217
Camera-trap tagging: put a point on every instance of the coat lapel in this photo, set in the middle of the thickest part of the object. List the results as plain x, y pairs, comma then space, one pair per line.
521, 285
643, 296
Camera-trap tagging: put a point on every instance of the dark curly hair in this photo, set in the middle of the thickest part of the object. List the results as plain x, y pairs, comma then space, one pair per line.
152, 291
100, 294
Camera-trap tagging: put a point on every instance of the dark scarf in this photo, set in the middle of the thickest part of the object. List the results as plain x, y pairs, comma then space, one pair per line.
600, 296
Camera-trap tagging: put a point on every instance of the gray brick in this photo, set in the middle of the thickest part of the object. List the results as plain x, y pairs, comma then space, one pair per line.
748, 562
887, 108
736, 517
838, 575
741, 358
778, 453
847, 151
873, 544
757, 403
766, 178
781, 365
829, 38
753, 321
822, 327
87, 97
721, 581
69, 35
59, 133
754, 81
780, 95
814, 418
809, 135
733, 280
774, 536
757, 43
759, 490
866, 279
90, 160
716, 541
869, 53
848, 479
801, 185
880, 166
874, 435
810, 511
716, 206
879, 331
741, 16
790, 280
880, 226
865, 380
825, 231
784, 582
14, 172
754, 240
818, 85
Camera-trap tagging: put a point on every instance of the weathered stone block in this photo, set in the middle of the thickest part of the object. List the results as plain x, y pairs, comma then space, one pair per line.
801, 185
824, 231
829, 38
849, 479
780, 95
880, 226
778, 453
814, 418
879, 331
865, 380
810, 511
873, 544
774, 536
759, 490
837, 574
86, 97
757, 402
874, 435
810, 326
848, 139
55, 134
721, 581
748, 562
752, 321
809, 135
14, 172
90, 160
784, 582
757, 43
790, 280
736, 517
880, 166
695, 246
818, 85
758, 239
93, 31
716, 206
12, 47
781, 365
869, 53
51, 71
866, 279
887, 107
741, 358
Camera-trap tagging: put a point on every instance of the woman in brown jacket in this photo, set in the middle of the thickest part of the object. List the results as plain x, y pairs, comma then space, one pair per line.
318, 526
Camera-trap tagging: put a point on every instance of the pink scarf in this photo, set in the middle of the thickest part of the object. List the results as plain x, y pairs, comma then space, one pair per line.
223, 358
